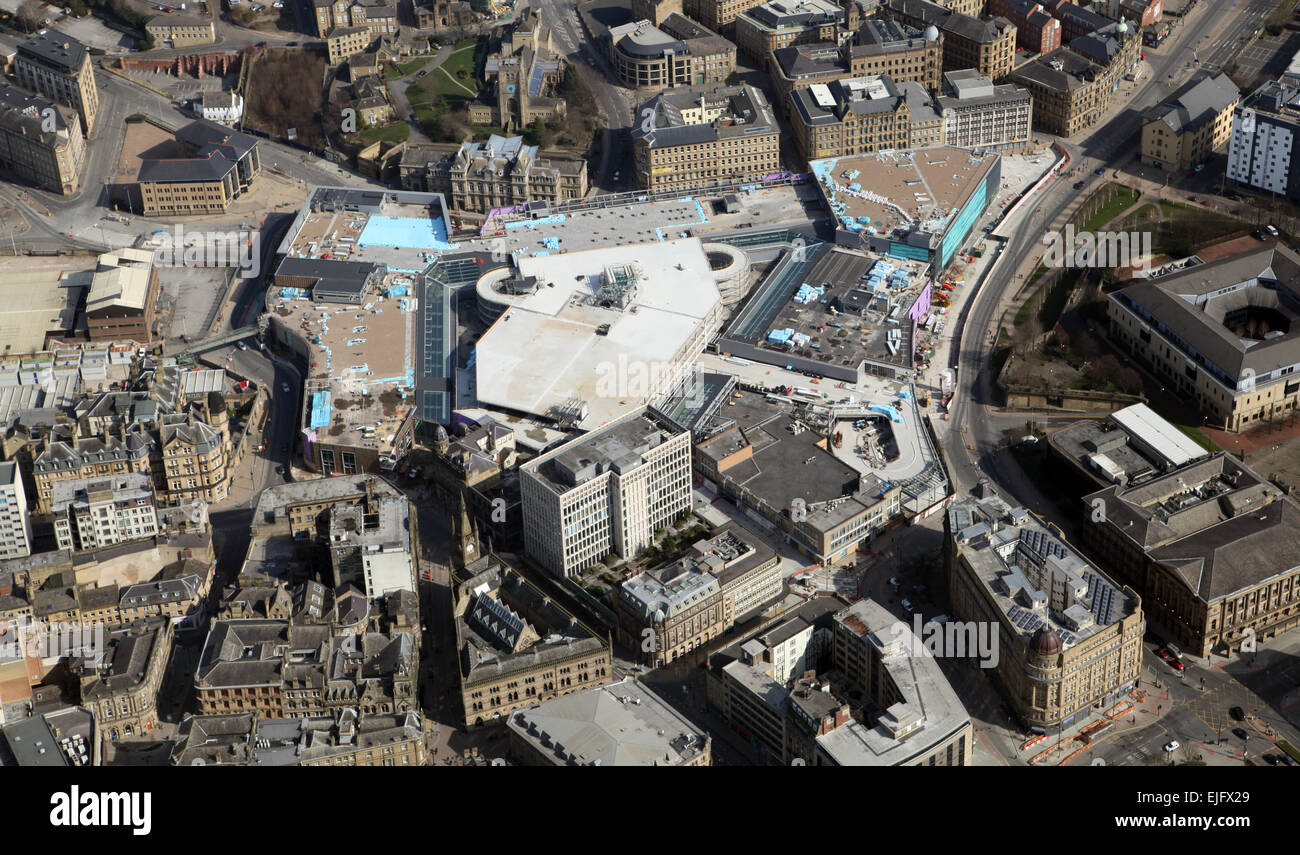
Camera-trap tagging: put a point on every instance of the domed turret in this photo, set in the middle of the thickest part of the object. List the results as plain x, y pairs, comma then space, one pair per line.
932, 33
440, 439
1122, 27
1046, 642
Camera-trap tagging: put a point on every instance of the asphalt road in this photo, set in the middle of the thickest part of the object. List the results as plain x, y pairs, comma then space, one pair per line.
1112, 144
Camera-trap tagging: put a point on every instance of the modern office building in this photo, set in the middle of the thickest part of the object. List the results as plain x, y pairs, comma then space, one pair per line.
677, 52
1213, 548
697, 137
49, 154
1262, 152
58, 66
980, 114
606, 492
1190, 126
211, 166
915, 719
1069, 640
15, 525
1224, 336
622, 724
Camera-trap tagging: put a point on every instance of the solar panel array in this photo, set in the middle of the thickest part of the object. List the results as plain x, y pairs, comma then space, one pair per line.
1042, 543
1025, 620
1104, 596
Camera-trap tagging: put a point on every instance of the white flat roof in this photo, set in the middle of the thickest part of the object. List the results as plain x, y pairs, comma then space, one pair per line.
1169, 442
545, 350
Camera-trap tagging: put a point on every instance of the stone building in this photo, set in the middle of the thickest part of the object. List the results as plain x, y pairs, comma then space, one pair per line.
516, 646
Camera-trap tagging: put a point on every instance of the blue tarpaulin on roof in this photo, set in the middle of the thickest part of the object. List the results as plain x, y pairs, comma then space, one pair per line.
320, 409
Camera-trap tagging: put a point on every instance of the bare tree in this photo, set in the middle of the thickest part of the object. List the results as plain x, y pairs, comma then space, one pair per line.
30, 16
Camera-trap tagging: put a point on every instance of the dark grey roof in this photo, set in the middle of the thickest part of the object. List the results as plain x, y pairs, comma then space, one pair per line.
54, 49
1181, 303
1196, 103
21, 113
1238, 553
1060, 71
1085, 18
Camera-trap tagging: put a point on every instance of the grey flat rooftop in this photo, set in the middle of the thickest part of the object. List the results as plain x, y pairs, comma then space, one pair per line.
623, 724
1021, 562
918, 684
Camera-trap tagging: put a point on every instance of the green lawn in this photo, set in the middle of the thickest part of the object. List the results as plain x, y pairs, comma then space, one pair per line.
395, 132
1124, 197
441, 90
392, 72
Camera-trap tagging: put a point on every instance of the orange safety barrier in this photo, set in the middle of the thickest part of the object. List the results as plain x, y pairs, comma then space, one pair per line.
1032, 742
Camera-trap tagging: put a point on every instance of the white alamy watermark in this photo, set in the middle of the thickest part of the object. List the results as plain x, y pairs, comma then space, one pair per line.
102, 809
23, 637
1097, 249
950, 639
182, 247
636, 379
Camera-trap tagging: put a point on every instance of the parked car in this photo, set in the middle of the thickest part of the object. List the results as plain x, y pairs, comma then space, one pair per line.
284, 387
1100, 170
1272, 759
1198, 168
1271, 230
908, 607
1237, 713
1078, 184
1171, 746
893, 580
422, 72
